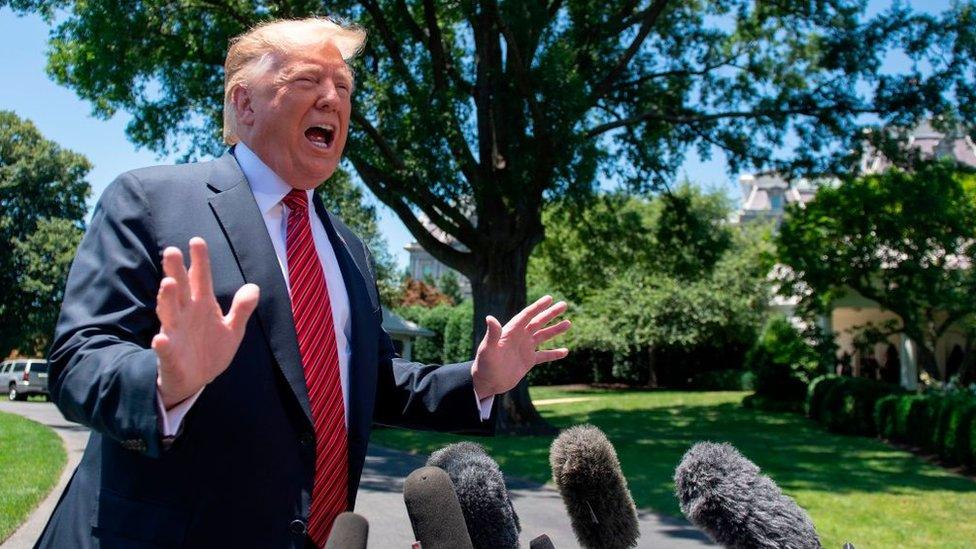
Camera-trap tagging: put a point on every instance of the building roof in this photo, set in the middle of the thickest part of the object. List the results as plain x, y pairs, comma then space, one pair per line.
395, 324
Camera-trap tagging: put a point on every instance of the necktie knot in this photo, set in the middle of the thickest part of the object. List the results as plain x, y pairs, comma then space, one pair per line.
296, 200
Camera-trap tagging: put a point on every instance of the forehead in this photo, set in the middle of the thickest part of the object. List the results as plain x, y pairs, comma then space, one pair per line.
322, 58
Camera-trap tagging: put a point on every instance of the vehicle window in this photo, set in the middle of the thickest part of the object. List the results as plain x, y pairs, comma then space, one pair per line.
39, 367
19, 367
4, 368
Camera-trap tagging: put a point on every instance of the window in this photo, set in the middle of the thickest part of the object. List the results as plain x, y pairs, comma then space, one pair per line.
39, 367
19, 367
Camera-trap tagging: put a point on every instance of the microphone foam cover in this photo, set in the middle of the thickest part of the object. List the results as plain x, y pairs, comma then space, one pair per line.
434, 511
587, 472
723, 493
349, 531
541, 542
488, 511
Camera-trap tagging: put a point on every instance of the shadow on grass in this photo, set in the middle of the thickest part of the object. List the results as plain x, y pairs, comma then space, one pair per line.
650, 441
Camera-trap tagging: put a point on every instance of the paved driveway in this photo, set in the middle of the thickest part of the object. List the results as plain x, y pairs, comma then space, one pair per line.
380, 500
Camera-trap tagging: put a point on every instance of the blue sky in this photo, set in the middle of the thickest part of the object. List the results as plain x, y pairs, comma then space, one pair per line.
65, 119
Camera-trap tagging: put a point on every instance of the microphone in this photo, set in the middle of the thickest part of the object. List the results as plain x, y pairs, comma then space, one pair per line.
723, 494
488, 512
541, 542
349, 531
587, 472
434, 511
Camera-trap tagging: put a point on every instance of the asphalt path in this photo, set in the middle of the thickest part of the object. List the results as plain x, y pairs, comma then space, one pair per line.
540, 508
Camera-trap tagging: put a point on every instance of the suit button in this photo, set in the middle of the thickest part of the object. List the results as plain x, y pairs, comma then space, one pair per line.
297, 527
307, 439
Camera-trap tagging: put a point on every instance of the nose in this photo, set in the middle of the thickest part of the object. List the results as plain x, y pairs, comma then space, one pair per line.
328, 95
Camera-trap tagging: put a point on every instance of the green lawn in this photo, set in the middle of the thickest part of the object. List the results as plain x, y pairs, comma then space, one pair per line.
855, 488
31, 459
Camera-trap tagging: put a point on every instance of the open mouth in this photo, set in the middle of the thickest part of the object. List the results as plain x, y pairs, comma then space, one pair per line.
321, 136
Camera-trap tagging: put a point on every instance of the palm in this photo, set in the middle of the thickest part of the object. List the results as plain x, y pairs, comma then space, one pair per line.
196, 342
508, 352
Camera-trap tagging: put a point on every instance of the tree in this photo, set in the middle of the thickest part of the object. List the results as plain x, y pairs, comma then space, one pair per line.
640, 287
43, 191
904, 239
476, 114
42, 262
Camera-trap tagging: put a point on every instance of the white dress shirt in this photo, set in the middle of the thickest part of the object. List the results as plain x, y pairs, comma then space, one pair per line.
269, 190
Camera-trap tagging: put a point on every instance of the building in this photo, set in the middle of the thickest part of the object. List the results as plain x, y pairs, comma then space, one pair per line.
403, 333
420, 264
765, 196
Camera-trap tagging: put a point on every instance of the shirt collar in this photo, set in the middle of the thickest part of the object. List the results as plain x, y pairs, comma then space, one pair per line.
267, 186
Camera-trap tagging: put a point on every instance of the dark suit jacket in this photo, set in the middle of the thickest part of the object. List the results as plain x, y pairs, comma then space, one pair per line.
240, 472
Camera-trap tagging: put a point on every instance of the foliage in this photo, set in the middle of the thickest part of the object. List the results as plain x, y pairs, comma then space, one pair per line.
937, 423
449, 285
489, 111
42, 261
417, 292
782, 362
898, 238
451, 325
856, 489
817, 391
724, 380
43, 191
32, 459
848, 405
652, 297
457, 334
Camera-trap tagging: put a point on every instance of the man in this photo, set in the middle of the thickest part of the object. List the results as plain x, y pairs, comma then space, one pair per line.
247, 430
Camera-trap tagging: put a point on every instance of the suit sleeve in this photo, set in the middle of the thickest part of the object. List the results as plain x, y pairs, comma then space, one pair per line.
425, 396
103, 373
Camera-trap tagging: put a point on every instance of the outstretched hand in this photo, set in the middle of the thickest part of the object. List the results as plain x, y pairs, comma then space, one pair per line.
196, 342
508, 352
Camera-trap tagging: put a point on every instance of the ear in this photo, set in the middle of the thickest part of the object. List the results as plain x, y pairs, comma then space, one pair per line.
241, 99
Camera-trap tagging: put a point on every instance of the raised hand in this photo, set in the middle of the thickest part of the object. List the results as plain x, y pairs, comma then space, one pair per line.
196, 342
507, 353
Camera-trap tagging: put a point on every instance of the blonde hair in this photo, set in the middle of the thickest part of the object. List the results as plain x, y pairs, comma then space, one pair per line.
253, 53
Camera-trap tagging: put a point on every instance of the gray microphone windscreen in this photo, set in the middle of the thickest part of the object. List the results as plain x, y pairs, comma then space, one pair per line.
587, 472
723, 493
541, 542
434, 511
488, 511
349, 531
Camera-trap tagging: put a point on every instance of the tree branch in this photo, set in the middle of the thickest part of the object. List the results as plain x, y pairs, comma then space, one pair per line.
649, 18
386, 35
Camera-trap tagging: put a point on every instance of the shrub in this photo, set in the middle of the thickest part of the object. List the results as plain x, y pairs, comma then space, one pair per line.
817, 391
971, 454
848, 406
782, 362
955, 445
884, 415
941, 409
910, 416
756, 401
457, 334
429, 350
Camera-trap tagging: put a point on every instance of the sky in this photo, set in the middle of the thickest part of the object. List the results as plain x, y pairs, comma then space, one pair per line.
64, 118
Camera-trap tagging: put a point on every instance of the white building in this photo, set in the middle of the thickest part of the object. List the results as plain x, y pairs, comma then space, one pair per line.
765, 196
421, 264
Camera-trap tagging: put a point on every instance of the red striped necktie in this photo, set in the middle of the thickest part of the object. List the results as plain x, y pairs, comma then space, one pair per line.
317, 344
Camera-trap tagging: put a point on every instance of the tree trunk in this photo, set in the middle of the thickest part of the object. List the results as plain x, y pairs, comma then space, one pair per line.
651, 368
499, 290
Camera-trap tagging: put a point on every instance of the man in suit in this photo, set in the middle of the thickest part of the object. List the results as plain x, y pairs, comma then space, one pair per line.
247, 429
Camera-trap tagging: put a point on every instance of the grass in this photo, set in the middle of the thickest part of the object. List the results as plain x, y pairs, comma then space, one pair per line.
31, 459
856, 489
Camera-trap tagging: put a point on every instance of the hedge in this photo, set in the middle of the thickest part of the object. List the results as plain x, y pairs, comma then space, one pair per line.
724, 380
846, 404
938, 423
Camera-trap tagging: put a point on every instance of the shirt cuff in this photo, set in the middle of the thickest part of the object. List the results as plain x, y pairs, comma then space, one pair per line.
171, 420
484, 405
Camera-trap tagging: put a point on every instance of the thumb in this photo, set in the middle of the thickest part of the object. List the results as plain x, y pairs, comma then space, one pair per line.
245, 301
494, 331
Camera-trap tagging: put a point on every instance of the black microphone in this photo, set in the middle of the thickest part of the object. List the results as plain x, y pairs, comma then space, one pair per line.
488, 511
587, 472
541, 542
723, 494
349, 531
434, 511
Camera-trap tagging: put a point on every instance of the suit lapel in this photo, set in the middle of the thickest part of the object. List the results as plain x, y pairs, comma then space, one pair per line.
244, 227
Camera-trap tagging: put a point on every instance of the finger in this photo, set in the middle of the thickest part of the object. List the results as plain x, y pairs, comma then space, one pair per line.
523, 317
550, 354
494, 332
173, 267
544, 317
163, 347
201, 283
168, 303
546, 334
245, 301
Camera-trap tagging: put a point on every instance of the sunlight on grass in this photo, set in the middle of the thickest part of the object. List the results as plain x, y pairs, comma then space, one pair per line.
856, 489
31, 459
